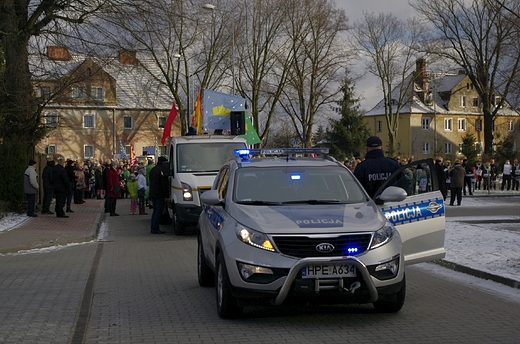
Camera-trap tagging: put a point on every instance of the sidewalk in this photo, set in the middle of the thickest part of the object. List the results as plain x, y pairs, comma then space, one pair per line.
49, 230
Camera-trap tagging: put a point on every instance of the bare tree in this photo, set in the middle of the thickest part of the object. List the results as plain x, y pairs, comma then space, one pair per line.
482, 38
20, 21
389, 45
182, 44
262, 58
317, 57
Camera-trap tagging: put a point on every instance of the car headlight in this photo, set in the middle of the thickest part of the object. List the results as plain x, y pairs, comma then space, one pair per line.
382, 236
254, 238
187, 193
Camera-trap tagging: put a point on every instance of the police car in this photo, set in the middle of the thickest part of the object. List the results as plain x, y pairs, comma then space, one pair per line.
284, 226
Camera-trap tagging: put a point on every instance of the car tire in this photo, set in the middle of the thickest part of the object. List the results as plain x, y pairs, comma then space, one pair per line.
205, 274
178, 227
392, 303
227, 304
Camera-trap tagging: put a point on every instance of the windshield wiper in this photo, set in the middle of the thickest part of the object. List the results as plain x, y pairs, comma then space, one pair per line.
258, 202
313, 201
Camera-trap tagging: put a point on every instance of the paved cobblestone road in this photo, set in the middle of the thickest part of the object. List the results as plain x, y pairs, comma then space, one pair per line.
135, 287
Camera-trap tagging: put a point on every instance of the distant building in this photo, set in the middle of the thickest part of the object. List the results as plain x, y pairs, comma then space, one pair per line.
441, 110
94, 105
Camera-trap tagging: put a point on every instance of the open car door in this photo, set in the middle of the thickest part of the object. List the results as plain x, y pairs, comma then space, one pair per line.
419, 218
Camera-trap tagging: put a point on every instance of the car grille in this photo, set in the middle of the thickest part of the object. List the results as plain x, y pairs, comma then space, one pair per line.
306, 246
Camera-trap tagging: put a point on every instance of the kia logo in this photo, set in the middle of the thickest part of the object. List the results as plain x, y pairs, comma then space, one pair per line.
324, 247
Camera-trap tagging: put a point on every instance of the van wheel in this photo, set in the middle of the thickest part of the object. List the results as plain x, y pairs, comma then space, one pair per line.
178, 228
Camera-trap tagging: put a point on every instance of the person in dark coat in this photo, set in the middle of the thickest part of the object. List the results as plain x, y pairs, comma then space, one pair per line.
99, 182
457, 175
72, 181
113, 188
48, 186
376, 168
105, 185
158, 194
61, 185
441, 176
468, 176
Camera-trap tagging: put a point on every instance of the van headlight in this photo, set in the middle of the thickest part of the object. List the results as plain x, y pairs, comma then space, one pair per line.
382, 236
187, 193
254, 238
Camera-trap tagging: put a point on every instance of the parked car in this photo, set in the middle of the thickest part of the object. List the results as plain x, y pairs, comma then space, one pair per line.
279, 227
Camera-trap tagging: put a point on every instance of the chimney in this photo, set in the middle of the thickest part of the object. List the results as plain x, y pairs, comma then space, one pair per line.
58, 53
128, 57
420, 77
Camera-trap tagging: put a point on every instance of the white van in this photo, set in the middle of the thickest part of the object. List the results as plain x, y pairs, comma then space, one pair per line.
194, 163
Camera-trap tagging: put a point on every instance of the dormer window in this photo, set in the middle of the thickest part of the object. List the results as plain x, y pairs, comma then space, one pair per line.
97, 93
78, 93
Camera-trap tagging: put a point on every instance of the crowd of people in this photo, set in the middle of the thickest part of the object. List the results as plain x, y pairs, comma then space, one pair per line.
458, 179
73, 182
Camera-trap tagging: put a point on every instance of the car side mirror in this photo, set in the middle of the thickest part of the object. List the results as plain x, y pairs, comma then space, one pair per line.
391, 194
211, 197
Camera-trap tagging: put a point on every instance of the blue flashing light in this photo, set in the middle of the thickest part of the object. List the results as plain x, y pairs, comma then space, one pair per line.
242, 152
296, 177
352, 250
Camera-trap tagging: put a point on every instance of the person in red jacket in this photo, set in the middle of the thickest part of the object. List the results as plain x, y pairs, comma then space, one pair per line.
113, 188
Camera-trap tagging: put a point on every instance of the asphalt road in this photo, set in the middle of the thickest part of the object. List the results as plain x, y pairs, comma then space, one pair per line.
135, 287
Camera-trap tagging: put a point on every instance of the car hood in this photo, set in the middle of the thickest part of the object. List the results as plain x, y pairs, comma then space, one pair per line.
310, 218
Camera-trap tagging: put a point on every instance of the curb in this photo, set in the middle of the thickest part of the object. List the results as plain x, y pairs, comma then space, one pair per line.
477, 273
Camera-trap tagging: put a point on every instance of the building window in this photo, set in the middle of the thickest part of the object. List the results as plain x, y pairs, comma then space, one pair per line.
162, 150
496, 100
448, 124
162, 121
50, 149
510, 125
89, 121
88, 151
127, 122
43, 92
462, 124
476, 102
463, 101
448, 148
51, 120
78, 92
426, 123
478, 125
426, 148
379, 126
97, 92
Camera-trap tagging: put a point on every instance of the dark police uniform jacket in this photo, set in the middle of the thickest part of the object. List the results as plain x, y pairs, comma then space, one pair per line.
375, 170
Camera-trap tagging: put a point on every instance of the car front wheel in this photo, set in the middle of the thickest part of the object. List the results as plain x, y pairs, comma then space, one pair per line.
205, 274
227, 304
392, 303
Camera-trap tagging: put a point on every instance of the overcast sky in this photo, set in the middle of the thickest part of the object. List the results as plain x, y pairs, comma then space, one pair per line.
367, 88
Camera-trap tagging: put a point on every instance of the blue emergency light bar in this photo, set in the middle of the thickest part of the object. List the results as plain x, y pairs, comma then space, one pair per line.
280, 151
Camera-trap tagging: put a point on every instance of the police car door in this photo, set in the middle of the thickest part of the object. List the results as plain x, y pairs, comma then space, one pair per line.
419, 218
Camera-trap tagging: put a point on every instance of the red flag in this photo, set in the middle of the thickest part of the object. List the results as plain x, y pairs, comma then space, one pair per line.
169, 122
196, 120
133, 159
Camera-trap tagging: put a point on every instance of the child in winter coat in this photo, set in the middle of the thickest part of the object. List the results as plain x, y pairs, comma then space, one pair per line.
132, 191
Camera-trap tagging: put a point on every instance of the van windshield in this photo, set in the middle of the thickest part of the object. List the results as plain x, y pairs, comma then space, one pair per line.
205, 157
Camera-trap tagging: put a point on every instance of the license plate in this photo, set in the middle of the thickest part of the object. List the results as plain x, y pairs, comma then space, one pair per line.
329, 271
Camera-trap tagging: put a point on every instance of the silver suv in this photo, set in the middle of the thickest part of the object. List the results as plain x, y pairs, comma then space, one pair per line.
295, 225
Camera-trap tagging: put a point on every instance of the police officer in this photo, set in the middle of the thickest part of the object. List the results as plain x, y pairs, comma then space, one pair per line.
376, 168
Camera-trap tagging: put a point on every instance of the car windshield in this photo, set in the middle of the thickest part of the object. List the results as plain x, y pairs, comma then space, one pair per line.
205, 157
282, 185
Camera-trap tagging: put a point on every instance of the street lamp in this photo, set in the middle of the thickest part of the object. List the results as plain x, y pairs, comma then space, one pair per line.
189, 92
212, 7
